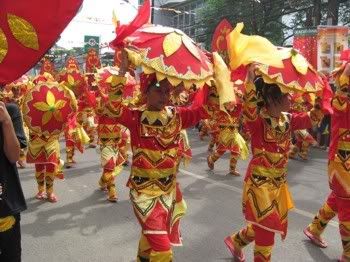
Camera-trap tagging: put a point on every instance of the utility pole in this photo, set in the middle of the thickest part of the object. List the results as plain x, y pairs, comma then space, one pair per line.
152, 12
317, 13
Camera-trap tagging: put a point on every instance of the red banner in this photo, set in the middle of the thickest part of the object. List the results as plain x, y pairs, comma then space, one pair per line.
305, 41
27, 30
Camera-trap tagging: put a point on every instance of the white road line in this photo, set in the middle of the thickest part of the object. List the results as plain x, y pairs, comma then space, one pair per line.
239, 190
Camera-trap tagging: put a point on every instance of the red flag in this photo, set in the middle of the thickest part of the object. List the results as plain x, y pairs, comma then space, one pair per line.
219, 43
124, 31
27, 30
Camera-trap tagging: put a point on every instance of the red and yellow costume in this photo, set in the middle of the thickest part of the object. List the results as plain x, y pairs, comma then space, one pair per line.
71, 77
156, 197
303, 139
266, 198
338, 201
45, 108
227, 136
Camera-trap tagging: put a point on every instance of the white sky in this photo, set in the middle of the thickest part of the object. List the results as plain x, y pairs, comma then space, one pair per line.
100, 10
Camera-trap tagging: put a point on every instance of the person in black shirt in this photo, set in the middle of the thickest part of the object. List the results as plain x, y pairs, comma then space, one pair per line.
12, 202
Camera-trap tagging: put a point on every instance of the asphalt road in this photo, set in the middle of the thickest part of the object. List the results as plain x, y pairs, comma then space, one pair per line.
83, 226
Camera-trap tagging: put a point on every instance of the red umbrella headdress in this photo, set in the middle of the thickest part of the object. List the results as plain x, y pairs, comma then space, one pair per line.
165, 51
296, 75
341, 80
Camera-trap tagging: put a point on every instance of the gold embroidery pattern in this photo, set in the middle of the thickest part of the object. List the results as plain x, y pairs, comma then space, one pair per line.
3, 45
23, 31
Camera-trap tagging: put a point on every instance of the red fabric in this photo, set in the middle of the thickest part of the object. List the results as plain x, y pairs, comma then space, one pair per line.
218, 42
327, 97
240, 73
345, 55
123, 31
49, 18
307, 46
201, 97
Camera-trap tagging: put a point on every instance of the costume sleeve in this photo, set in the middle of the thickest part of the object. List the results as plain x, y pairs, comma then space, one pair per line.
306, 120
191, 116
16, 118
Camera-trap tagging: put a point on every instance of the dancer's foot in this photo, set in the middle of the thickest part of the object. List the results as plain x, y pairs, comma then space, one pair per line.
41, 195
52, 198
237, 254
210, 163
317, 240
344, 259
113, 198
21, 164
234, 173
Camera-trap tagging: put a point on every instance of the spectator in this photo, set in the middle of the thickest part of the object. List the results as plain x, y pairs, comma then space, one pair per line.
12, 202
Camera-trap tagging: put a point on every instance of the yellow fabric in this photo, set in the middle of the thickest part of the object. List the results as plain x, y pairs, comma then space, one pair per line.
165, 256
7, 223
82, 135
244, 151
262, 253
223, 83
244, 49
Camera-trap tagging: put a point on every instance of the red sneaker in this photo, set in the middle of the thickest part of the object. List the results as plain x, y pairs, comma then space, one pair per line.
52, 198
237, 255
41, 196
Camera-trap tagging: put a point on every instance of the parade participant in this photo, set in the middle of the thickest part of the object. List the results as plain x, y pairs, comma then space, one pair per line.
266, 198
303, 139
45, 109
110, 135
228, 137
338, 201
265, 219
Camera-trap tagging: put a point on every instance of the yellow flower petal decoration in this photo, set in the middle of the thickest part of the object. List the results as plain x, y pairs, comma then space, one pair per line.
46, 117
50, 99
70, 80
60, 104
171, 43
23, 31
3, 45
41, 106
58, 116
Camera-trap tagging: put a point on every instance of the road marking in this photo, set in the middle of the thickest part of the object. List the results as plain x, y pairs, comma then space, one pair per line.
239, 190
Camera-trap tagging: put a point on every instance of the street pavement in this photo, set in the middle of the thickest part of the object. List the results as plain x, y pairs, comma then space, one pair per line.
83, 226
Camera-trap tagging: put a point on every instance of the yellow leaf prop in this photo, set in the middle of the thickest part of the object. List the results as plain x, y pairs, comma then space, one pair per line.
3, 45
244, 49
222, 77
58, 116
171, 43
60, 104
23, 31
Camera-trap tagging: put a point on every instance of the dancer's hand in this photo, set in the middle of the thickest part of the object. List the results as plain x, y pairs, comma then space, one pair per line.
252, 72
4, 115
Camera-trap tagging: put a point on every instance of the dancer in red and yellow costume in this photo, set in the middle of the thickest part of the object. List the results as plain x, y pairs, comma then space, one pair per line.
228, 137
71, 77
155, 128
303, 139
266, 198
110, 134
338, 201
46, 108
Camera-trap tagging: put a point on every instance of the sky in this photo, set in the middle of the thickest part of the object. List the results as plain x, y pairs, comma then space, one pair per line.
95, 18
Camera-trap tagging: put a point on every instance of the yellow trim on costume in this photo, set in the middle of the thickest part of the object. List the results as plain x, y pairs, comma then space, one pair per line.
343, 145
154, 173
7, 223
269, 172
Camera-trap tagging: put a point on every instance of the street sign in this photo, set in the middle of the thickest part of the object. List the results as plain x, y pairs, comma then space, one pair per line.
91, 41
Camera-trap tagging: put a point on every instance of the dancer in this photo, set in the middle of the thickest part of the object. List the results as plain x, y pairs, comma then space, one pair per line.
338, 201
